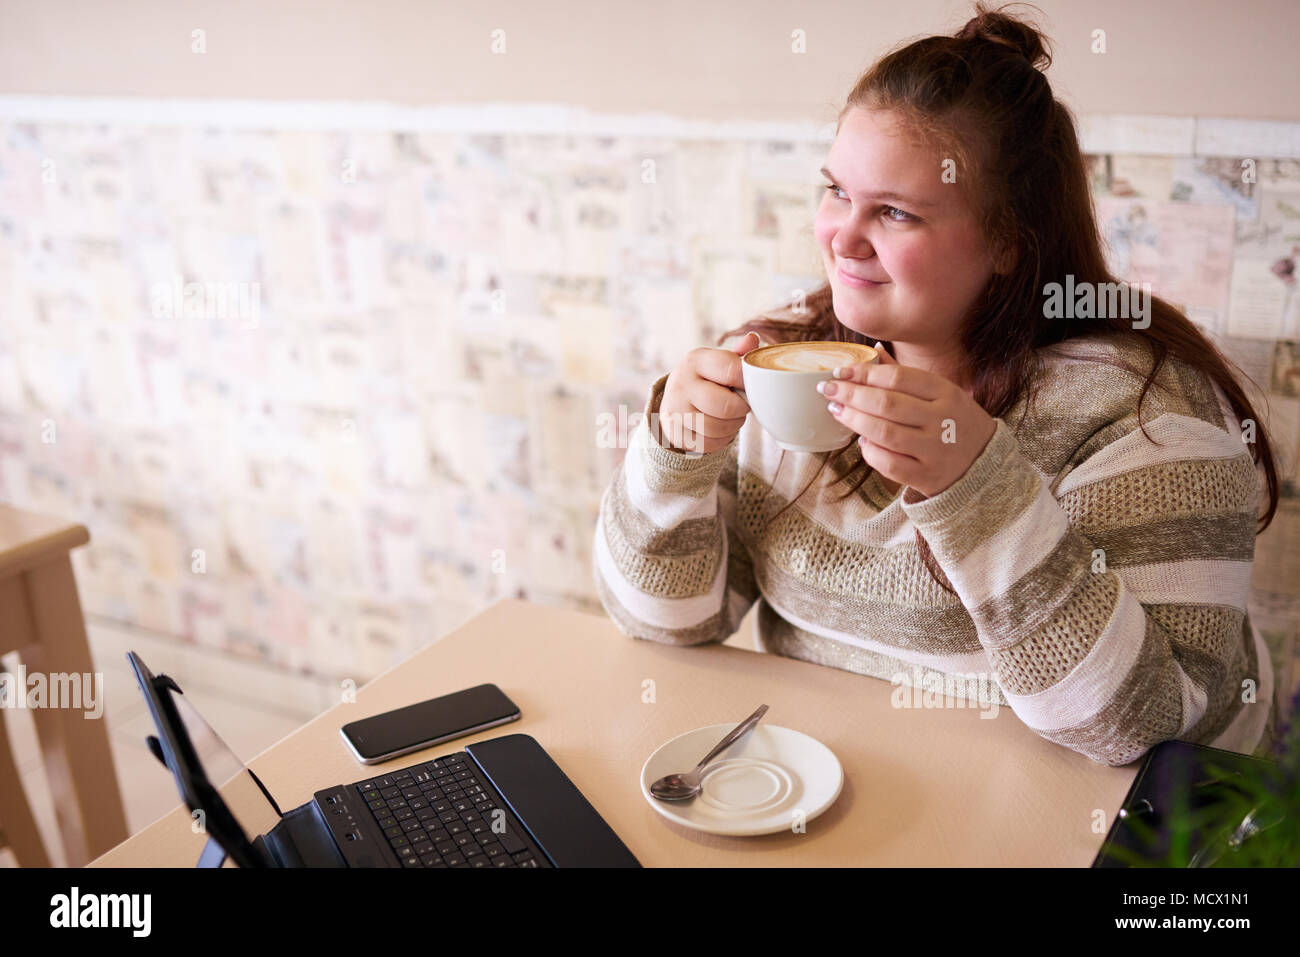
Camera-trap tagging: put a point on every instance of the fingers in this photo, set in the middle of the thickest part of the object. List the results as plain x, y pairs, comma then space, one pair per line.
908, 440
746, 343
692, 441
711, 426
692, 428
883, 403
904, 469
698, 412
719, 402
696, 432
908, 379
721, 366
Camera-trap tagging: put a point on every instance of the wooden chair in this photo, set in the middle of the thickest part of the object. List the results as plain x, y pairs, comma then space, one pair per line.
40, 619
22, 836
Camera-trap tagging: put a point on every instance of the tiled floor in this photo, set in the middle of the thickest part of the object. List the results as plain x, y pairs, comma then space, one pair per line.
250, 706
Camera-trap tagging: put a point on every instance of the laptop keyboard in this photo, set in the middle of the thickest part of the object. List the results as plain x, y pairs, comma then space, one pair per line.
445, 814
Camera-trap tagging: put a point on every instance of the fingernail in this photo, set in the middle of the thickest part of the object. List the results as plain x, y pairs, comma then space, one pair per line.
834, 407
826, 387
838, 372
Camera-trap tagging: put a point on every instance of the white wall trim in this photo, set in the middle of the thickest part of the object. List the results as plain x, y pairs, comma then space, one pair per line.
1098, 132
536, 118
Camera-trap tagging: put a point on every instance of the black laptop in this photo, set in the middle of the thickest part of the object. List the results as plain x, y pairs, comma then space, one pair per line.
498, 803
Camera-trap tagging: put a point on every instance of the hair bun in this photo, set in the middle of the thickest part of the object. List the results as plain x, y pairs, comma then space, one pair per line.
1018, 35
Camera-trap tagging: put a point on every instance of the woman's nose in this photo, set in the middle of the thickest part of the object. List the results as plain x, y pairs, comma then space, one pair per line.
851, 246
850, 241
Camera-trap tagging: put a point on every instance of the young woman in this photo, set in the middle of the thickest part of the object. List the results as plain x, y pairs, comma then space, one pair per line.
1079, 496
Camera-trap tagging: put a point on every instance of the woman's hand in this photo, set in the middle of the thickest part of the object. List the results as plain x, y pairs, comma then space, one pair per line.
916, 427
700, 410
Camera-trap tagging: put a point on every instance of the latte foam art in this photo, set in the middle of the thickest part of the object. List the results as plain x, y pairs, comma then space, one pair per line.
808, 361
813, 360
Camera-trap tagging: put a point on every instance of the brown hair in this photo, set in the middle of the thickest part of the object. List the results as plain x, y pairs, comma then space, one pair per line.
980, 96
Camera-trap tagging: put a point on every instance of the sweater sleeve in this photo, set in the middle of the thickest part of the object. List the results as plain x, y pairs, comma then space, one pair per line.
667, 563
1113, 610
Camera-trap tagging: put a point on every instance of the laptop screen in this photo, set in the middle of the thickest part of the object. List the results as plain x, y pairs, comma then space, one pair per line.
212, 753
212, 781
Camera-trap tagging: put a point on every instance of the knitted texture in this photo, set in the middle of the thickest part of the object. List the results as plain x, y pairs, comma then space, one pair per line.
1101, 579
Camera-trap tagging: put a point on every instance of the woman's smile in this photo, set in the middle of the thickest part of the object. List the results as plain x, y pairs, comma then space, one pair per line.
851, 280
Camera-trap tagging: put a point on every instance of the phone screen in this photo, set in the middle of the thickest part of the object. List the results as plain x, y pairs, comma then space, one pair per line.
429, 722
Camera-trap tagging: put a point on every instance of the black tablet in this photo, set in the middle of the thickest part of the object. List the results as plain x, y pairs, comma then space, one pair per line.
1177, 780
174, 747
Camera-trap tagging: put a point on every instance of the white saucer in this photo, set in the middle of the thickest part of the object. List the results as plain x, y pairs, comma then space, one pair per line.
754, 787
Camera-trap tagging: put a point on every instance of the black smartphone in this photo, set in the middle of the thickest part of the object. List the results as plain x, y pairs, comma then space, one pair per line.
431, 722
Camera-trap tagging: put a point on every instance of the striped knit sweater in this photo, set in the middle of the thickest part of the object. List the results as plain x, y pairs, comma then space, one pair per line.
1101, 580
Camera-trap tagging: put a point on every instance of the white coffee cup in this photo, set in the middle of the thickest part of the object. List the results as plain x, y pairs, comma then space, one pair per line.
783, 393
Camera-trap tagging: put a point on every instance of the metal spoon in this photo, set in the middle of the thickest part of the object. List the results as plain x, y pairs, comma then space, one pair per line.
683, 787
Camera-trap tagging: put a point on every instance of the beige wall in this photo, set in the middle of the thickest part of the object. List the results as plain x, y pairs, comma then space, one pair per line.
718, 59
338, 552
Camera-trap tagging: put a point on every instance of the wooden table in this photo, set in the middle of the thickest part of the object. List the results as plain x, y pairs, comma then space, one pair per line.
922, 786
40, 618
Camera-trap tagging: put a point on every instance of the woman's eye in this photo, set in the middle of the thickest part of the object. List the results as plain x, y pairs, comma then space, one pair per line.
892, 213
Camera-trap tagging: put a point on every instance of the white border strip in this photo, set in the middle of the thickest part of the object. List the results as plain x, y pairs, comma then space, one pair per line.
1098, 132
1248, 138
1125, 133
539, 118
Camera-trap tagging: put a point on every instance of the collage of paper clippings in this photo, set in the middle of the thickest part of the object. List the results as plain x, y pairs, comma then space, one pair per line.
381, 412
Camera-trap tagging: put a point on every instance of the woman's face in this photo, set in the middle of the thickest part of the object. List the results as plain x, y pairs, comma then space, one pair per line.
888, 216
